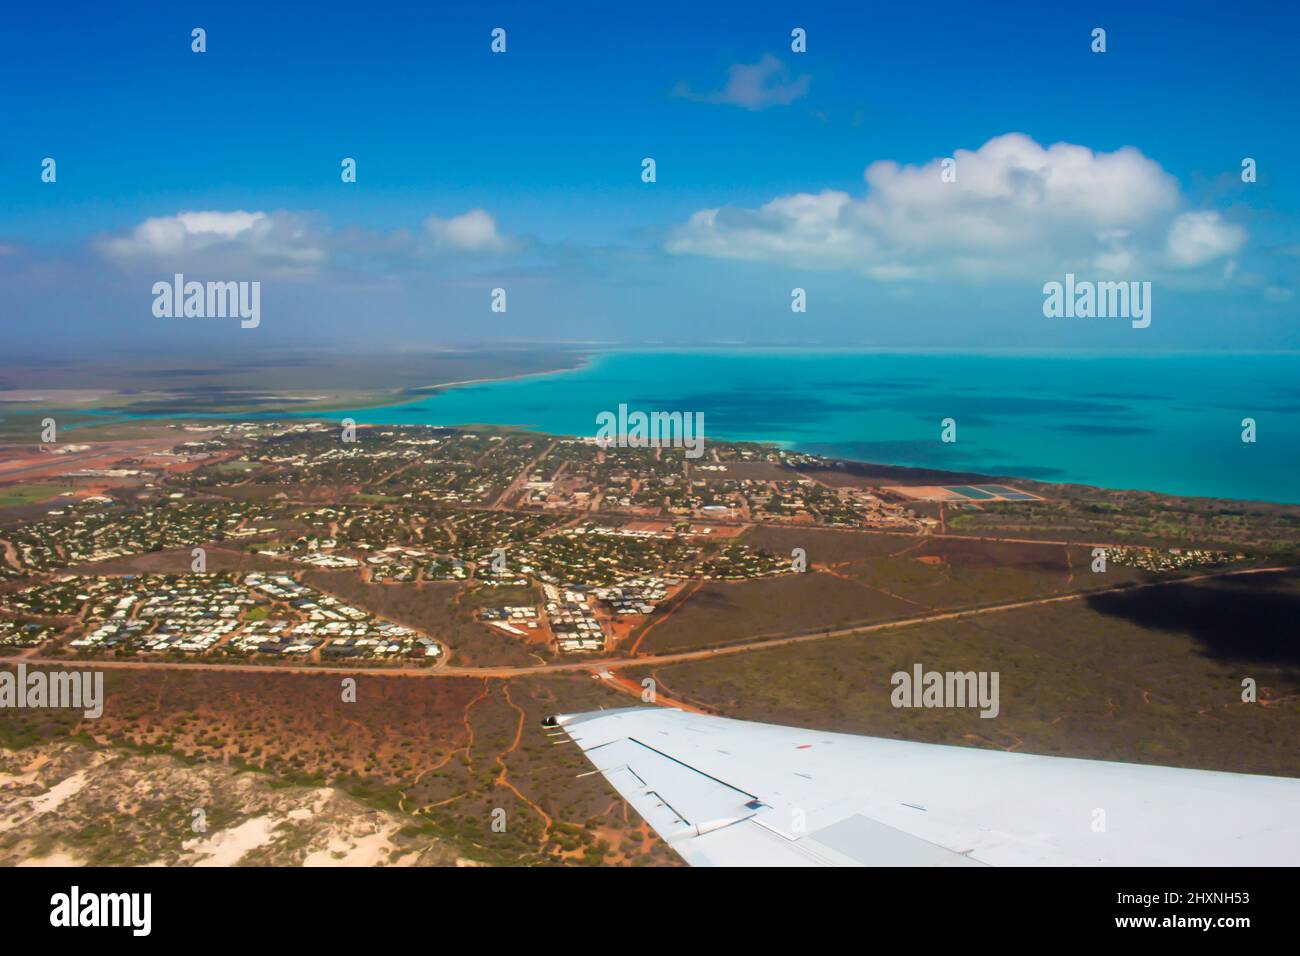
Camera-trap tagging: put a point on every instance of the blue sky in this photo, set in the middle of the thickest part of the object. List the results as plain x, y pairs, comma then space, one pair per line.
541, 148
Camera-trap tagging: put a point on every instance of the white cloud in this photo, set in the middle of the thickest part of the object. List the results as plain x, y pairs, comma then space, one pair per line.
279, 243
754, 86
1195, 238
294, 245
798, 228
1015, 209
474, 231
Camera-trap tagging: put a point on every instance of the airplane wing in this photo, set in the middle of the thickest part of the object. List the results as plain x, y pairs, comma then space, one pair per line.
734, 793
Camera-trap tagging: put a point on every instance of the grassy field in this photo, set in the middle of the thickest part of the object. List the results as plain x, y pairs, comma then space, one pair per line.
725, 612
441, 608
857, 578
30, 494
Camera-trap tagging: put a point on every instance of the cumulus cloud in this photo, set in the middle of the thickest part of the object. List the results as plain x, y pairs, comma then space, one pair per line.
1196, 238
288, 244
754, 86
1016, 208
279, 243
474, 231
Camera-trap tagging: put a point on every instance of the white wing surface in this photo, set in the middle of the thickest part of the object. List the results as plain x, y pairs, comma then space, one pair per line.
734, 793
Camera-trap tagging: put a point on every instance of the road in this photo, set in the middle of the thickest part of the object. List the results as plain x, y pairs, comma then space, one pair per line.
642, 660
520, 479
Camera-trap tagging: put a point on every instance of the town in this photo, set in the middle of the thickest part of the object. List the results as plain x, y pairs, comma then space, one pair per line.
411, 544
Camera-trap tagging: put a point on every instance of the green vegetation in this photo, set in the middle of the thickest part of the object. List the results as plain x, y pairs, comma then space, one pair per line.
29, 494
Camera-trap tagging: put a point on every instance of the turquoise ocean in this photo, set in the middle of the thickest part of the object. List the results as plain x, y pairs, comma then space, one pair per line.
1169, 423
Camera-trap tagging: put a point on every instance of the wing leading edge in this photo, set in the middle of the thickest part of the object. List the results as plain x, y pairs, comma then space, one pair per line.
734, 793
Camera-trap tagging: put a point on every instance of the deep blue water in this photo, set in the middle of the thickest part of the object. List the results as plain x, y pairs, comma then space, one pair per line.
1166, 423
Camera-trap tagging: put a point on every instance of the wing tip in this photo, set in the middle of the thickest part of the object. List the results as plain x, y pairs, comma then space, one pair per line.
563, 720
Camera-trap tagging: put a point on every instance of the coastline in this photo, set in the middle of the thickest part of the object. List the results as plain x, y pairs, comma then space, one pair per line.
1114, 423
1104, 423
584, 360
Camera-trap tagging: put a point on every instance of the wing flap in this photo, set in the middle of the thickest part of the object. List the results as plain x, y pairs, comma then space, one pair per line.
676, 799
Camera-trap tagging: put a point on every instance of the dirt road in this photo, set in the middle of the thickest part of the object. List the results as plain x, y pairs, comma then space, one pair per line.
589, 664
